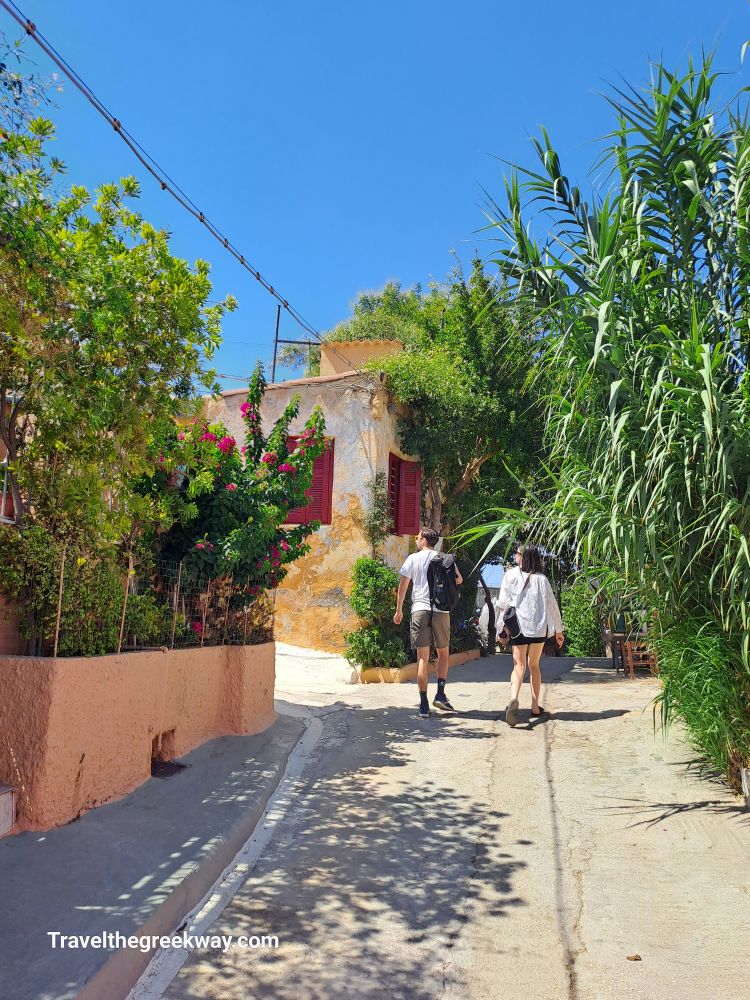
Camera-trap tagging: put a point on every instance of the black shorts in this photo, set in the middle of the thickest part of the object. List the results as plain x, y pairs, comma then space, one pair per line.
525, 640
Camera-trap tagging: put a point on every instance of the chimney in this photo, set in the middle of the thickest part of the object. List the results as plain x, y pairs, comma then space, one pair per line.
339, 356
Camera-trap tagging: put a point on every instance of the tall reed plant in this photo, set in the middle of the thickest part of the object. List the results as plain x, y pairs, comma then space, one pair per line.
641, 293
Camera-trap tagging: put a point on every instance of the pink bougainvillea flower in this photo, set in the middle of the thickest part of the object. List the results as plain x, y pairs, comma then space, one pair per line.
243, 450
286, 467
284, 545
248, 410
197, 626
231, 487
227, 444
181, 436
270, 458
208, 436
200, 545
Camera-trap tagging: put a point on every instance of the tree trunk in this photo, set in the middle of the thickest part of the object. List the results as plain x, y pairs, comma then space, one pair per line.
436, 503
15, 489
491, 624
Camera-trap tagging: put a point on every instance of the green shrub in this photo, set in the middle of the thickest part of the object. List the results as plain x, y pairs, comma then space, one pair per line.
92, 598
379, 643
375, 646
581, 619
704, 683
93, 591
373, 595
149, 621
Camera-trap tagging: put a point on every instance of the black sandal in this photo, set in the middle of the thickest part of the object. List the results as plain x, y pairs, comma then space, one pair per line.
540, 712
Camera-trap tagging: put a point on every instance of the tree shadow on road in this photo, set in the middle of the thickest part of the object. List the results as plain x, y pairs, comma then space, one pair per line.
659, 812
372, 878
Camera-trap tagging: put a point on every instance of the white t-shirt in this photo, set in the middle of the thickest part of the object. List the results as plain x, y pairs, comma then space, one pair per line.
536, 606
415, 568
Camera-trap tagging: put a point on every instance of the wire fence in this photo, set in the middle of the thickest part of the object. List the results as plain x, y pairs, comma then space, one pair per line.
160, 605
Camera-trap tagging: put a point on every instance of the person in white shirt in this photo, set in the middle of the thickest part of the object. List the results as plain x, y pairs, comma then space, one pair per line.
527, 589
429, 627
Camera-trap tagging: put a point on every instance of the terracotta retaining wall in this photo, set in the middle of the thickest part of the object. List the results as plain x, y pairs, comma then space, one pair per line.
398, 675
76, 732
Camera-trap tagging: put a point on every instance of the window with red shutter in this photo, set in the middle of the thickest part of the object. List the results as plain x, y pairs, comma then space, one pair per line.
320, 495
404, 495
410, 498
394, 466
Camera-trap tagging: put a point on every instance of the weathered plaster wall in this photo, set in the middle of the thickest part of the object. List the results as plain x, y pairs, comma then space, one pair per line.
76, 732
312, 608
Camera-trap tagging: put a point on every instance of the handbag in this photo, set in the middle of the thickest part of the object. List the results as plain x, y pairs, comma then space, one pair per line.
510, 618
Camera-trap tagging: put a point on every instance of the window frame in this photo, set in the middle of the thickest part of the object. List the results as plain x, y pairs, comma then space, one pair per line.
404, 497
326, 463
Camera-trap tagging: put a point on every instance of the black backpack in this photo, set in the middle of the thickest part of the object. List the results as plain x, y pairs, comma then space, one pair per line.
441, 579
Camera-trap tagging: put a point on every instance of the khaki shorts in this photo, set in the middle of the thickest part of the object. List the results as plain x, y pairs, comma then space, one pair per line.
437, 634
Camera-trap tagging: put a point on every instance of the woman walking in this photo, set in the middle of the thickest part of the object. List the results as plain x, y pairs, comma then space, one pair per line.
527, 589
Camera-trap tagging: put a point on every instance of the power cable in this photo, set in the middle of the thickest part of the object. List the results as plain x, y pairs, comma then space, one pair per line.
157, 172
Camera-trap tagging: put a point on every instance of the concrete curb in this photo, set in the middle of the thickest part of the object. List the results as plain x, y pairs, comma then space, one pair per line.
165, 965
121, 972
399, 675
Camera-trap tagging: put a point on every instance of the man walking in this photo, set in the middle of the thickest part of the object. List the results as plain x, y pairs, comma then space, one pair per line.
429, 627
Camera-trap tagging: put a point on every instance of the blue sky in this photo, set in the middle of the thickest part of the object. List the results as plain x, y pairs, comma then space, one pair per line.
342, 144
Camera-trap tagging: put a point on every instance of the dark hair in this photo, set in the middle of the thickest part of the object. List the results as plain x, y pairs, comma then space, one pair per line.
531, 558
430, 536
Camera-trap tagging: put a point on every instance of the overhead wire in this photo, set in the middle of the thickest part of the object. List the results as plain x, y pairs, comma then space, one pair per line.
159, 174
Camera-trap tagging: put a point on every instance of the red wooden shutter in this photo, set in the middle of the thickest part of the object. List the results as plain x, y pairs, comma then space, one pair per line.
320, 494
299, 514
410, 498
394, 468
321, 491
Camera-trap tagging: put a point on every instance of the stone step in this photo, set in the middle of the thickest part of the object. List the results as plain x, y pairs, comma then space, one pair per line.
7, 809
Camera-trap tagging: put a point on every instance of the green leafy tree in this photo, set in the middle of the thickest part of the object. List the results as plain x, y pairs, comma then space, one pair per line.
104, 334
472, 417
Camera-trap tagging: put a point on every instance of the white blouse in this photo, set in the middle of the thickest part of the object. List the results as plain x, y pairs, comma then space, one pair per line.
537, 610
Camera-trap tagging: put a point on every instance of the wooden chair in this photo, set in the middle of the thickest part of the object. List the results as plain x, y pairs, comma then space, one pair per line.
638, 654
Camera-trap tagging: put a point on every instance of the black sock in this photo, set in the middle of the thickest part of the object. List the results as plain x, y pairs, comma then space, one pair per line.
441, 686
423, 703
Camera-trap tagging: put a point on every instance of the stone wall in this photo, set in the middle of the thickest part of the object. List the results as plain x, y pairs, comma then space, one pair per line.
312, 608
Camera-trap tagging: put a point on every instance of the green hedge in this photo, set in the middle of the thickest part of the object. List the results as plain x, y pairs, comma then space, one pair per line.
581, 619
379, 643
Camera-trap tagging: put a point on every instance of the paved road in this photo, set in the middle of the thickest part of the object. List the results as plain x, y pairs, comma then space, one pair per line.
458, 858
